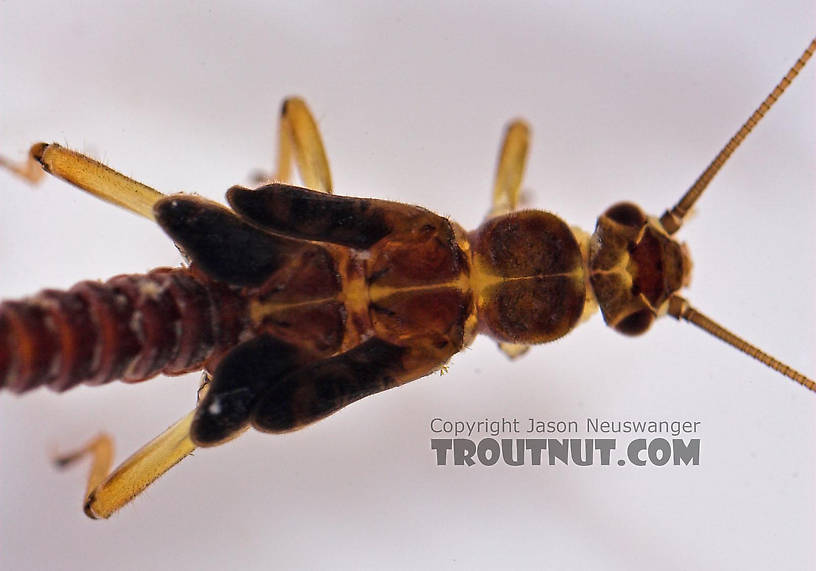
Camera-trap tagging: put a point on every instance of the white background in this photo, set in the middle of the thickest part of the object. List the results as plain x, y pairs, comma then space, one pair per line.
626, 102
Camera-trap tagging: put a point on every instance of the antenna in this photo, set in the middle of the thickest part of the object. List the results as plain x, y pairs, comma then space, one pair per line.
673, 219
680, 308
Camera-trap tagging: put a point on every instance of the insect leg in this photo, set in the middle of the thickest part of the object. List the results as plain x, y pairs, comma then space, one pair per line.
89, 175
29, 170
298, 133
510, 168
107, 493
506, 190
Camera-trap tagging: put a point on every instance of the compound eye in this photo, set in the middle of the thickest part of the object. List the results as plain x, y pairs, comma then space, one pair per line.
635, 323
626, 214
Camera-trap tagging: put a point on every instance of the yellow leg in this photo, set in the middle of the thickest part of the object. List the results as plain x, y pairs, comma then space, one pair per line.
105, 493
506, 190
298, 134
203, 386
513, 350
29, 170
510, 169
89, 175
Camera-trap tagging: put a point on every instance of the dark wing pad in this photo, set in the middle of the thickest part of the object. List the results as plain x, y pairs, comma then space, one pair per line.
245, 373
324, 387
221, 244
310, 215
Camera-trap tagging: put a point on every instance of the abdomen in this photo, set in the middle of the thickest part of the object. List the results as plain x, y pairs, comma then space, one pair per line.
131, 327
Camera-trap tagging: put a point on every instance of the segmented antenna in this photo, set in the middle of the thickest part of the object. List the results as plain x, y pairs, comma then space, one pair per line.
673, 219
679, 308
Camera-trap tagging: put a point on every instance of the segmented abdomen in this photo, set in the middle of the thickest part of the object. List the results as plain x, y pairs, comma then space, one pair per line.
131, 327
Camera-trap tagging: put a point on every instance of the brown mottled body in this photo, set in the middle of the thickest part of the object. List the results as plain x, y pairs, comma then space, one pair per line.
295, 314
298, 302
